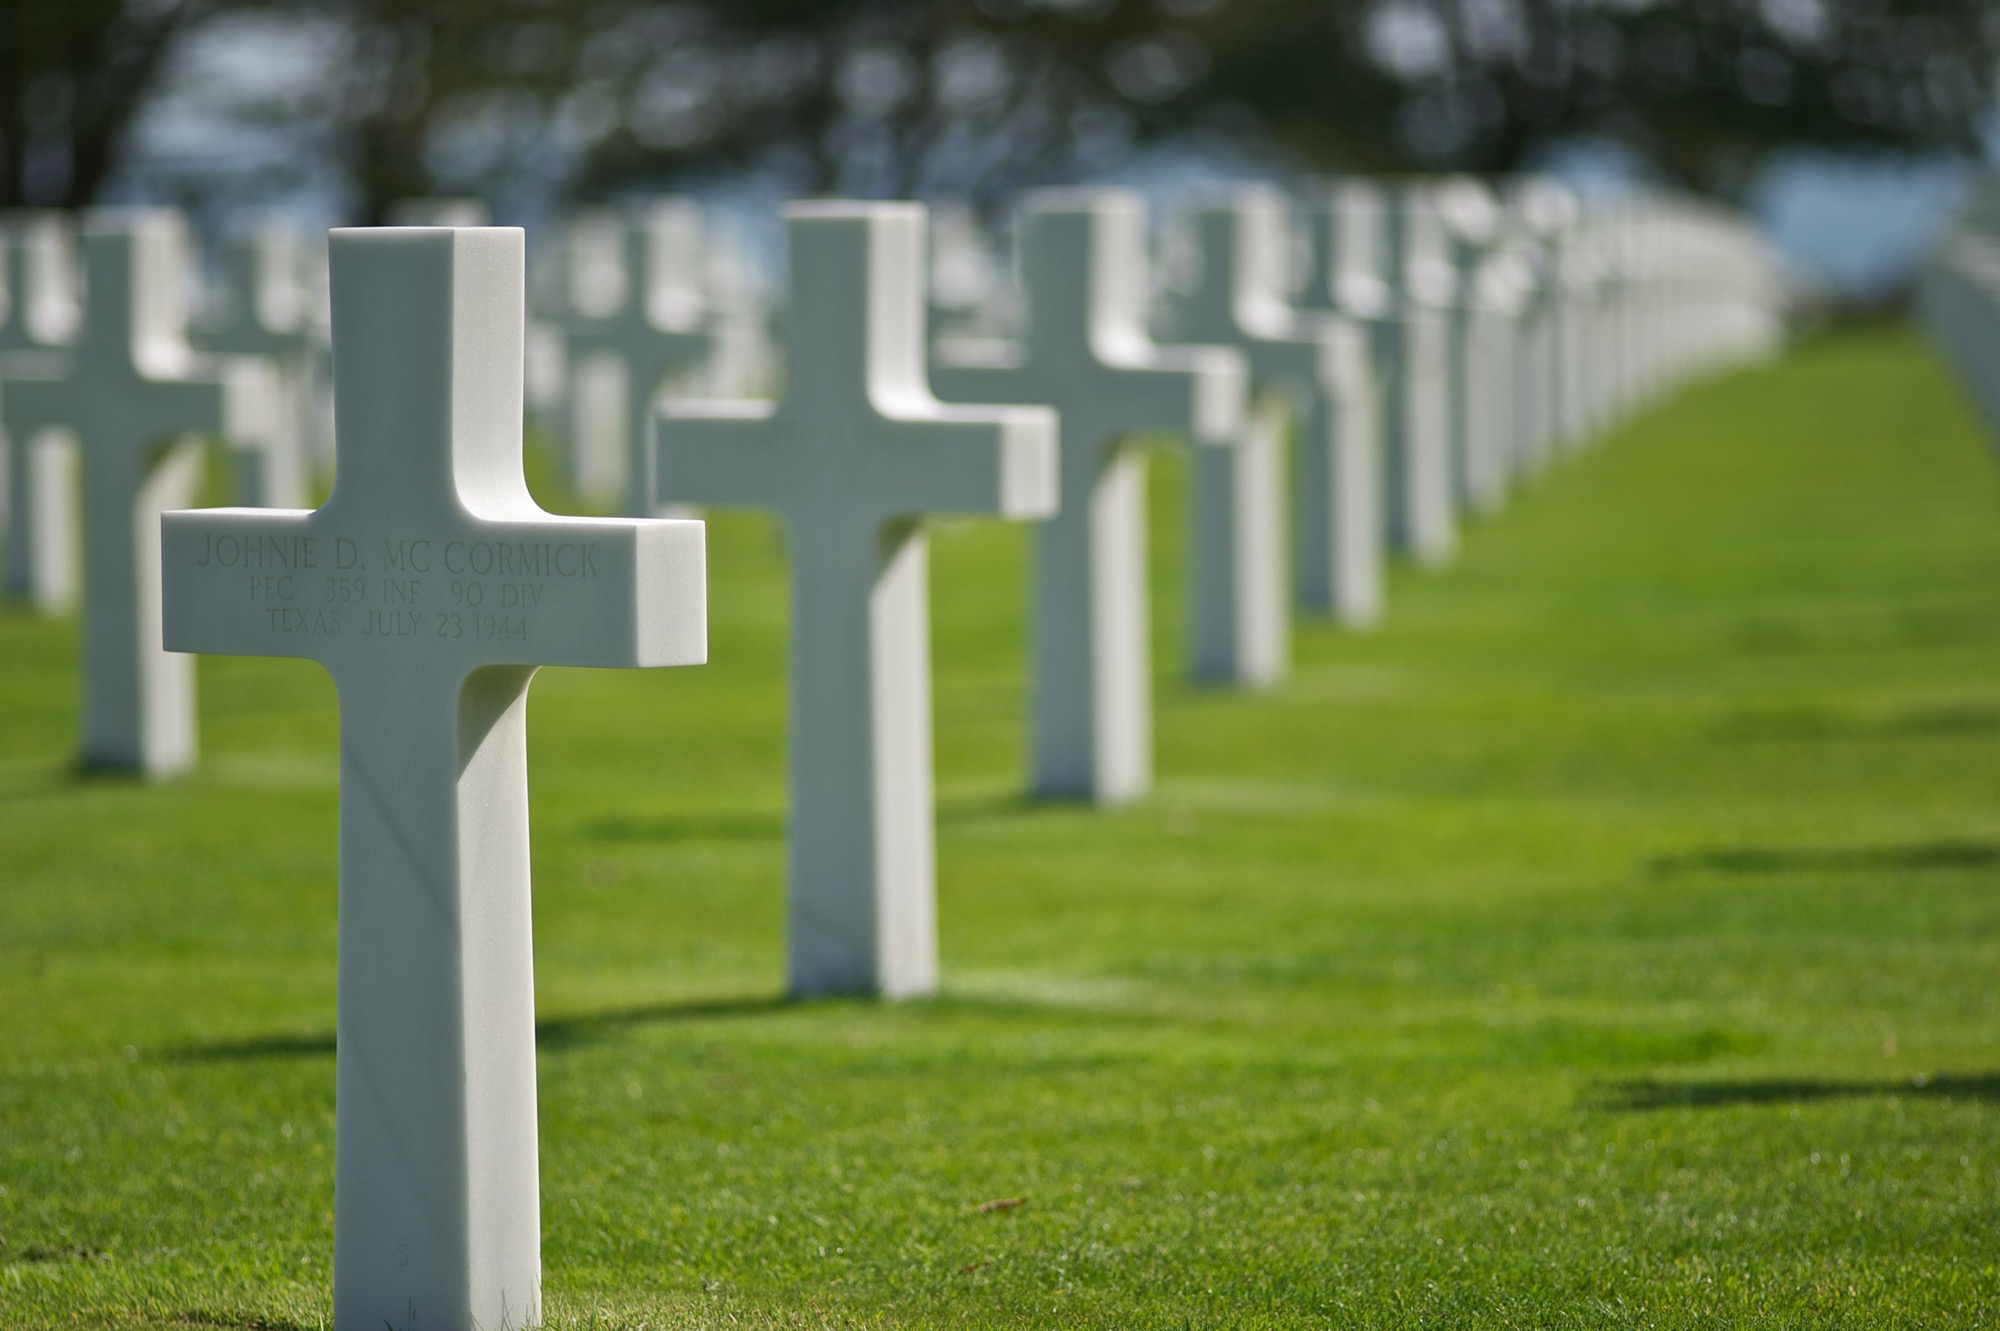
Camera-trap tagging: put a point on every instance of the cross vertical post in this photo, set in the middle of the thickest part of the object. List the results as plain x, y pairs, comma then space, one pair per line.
1541, 210
1469, 223
268, 315
432, 587
139, 400
640, 328
1338, 508
38, 318
1422, 514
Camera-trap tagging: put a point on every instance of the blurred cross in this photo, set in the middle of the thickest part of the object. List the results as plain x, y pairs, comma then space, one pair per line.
139, 400
638, 327
1086, 353
854, 455
38, 317
266, 315
1307, 371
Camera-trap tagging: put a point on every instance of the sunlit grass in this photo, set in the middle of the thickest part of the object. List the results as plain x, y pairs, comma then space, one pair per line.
1609, 940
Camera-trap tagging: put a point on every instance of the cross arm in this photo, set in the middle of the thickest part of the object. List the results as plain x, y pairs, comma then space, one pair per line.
631, 336
1299, 355
233, 398
974, 460
255, 339
665, 353
230, 575
613, 592
978, 373
545, 591
36, 395
1198, 390
726, 453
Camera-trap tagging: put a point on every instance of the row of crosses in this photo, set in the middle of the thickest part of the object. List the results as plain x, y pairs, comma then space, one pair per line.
431, 586
435, 1176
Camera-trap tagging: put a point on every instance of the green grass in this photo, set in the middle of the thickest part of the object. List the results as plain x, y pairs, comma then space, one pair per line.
1610, 940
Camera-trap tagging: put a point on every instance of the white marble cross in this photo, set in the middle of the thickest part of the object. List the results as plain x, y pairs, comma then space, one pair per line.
638, 327
1422, 508
1497, 370
38, 289
41, 482
431, 587
854, 454
546, 379
1539, 210
1087, 353
742, 361
38, 317
1470, 221
969, 294
1338, 569
266, 314
139, 401
1303, 369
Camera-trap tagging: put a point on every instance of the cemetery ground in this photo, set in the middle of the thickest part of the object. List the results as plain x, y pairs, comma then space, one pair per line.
1608, 940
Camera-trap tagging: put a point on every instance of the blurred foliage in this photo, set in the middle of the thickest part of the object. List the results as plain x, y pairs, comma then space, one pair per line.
897, 97
73, 74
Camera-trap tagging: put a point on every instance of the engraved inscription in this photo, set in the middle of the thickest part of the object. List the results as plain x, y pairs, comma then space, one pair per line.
284, 619
482, 590
260, 552
389, 624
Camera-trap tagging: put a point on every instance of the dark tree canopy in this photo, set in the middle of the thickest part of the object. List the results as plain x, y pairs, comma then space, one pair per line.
73, 74
897, 97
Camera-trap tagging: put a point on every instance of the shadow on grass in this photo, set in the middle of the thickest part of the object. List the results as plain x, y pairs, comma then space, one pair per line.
221, 1321
56, 778
1809, 723
583, 1028
1649, 1094
244, 1051
1793, 859
573, 1030
694, 825
749, 825
979, 808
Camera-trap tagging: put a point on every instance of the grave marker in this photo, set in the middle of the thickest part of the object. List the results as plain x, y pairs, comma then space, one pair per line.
1086, 352
266, 313
1301, 366
1470, 220
431, 587
1497, 336
38, 317
139, 400
38, 289
741, 361
854, 454
546, 372
1542, 210
638, 327
1422, 514
1339, 552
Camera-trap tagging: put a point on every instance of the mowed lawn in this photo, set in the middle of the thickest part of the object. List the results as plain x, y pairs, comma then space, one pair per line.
1611, 939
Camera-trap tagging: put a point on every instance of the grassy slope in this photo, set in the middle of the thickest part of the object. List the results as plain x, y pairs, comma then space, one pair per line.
1609, 940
